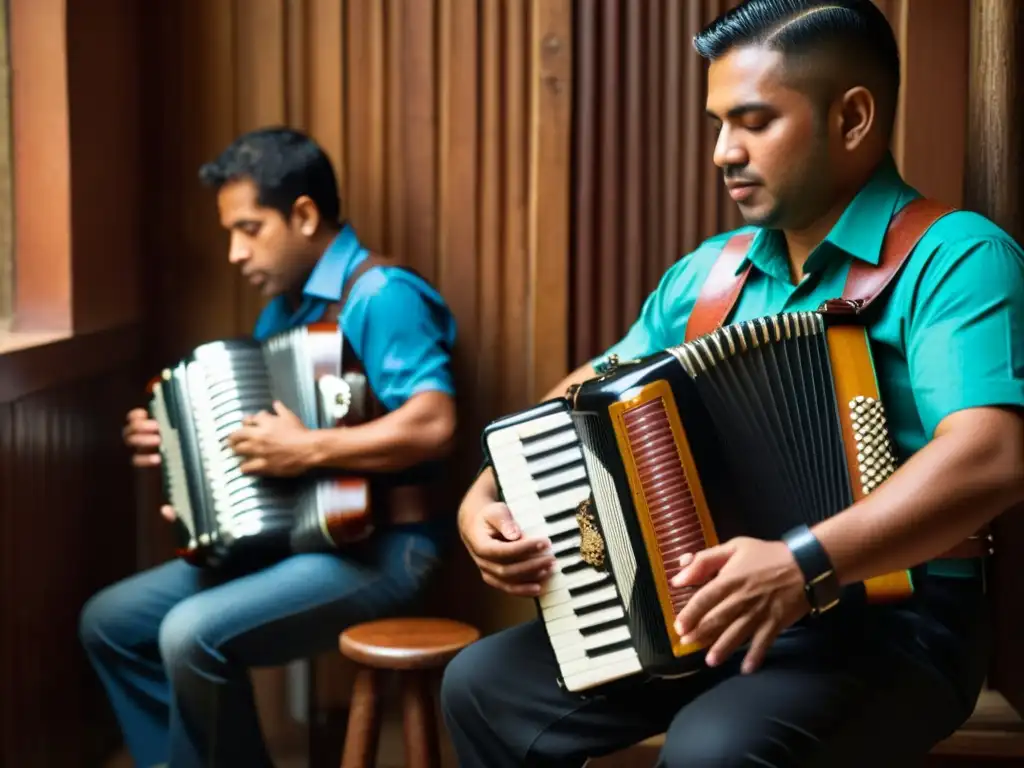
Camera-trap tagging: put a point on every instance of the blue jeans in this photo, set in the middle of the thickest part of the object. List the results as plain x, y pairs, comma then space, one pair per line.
173, 645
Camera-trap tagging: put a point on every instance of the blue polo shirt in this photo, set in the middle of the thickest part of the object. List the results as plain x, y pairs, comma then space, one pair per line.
399, 326
949, 336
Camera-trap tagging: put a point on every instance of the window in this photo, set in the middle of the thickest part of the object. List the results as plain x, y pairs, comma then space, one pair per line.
6, 207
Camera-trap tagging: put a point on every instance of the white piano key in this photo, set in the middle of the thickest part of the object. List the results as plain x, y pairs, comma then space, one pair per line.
614, 659
578, 622
603, 674
573, 645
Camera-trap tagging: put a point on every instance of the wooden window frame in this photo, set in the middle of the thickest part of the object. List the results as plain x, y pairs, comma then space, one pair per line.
76, 292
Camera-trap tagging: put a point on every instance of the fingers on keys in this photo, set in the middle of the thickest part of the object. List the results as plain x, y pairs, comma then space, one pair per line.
146, 460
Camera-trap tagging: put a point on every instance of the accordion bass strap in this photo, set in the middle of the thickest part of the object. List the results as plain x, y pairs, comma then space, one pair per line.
864, 283
405, 497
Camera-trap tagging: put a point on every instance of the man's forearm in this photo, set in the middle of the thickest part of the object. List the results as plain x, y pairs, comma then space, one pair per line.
421, 430
960, 481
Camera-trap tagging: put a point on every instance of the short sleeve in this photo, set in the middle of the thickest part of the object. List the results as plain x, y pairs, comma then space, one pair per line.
403, 335
965, 340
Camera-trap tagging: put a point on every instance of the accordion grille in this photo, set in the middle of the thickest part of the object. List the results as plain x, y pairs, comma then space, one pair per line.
671, 509
673, 515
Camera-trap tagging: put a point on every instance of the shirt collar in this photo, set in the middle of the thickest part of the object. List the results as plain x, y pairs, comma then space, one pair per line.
859, 232
330, 273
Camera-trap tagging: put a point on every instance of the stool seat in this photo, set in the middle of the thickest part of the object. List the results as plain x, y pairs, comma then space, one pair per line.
408, 643
416, 650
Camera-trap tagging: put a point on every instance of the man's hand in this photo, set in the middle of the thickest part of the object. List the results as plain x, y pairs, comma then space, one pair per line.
507, 560
276, 443
142, 435
752, 590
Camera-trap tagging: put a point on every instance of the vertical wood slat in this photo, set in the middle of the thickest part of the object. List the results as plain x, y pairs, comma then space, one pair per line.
644, 189
489, 373
549, 173
513, 160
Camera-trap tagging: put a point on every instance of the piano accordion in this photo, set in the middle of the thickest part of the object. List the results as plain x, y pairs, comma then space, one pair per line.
750, 430
225, 517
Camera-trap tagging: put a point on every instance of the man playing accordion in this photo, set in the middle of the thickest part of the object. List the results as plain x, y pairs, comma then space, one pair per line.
173, 645
804, 95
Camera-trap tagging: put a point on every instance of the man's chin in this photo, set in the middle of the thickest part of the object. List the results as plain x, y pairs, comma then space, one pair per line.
759, 215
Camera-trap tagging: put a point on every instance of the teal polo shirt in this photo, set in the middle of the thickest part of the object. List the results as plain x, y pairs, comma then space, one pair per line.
949, 337
398, 325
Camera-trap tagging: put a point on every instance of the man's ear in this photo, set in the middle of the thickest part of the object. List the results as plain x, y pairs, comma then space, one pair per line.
858, 112
306, 215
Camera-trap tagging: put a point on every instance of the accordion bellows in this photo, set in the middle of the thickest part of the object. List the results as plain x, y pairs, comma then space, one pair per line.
750, 430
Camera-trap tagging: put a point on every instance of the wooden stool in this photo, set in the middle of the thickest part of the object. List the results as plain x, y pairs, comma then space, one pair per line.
415, 648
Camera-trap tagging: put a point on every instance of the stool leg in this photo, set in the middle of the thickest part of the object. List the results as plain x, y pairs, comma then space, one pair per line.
420, 723
363, 721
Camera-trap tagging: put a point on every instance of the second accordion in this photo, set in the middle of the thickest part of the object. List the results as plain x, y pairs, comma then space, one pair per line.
227, 517
750, 430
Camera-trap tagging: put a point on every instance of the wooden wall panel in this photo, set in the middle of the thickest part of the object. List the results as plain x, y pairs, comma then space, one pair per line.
644, 189
66, 530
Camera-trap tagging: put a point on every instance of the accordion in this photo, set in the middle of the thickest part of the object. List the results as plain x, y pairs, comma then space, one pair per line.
749, 430
223, 515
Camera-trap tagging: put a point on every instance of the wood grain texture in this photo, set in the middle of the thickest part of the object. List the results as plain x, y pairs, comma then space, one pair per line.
644, 189
68, 529
995, 150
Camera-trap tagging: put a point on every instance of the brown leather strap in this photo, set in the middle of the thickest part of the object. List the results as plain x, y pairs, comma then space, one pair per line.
372, 260
865, 281
402, 497
721, 288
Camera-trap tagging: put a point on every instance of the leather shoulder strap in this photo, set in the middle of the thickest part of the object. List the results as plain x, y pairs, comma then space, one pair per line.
865, 282
372, 260
333, 312
721, 288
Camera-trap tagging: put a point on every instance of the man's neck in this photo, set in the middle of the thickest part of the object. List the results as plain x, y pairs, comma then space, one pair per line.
801, 242
318, 246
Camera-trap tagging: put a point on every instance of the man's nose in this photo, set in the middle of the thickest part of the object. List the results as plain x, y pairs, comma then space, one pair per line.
728, 152
238, 254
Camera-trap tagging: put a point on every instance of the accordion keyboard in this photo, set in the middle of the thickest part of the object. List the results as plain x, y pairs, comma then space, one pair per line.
540, 468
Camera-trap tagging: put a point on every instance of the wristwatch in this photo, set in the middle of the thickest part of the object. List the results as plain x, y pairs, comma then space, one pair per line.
821, 585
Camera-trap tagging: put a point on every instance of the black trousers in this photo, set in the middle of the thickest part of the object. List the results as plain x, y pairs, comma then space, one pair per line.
862, 686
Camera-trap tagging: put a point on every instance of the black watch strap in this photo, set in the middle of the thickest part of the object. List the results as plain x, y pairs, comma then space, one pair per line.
821, 585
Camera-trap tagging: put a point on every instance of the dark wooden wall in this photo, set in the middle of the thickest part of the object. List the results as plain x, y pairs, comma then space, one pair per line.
66, 529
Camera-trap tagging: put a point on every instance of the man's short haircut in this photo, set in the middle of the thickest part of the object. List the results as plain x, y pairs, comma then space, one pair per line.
853, 35
284, 164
